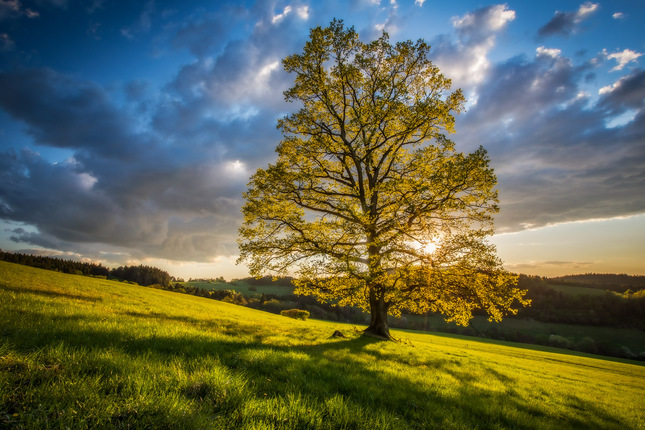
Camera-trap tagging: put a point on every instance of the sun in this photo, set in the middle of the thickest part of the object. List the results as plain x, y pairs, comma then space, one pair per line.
429, 248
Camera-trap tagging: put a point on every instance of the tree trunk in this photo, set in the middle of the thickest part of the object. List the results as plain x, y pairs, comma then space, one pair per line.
378, 322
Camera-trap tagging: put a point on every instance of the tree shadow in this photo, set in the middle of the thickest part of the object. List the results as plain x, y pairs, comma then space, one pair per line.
49, 293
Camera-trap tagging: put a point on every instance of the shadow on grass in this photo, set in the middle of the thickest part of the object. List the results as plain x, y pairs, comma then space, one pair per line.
347, 367
49, 293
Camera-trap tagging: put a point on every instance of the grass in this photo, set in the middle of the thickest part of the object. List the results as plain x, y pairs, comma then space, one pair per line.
78, 352
615, 338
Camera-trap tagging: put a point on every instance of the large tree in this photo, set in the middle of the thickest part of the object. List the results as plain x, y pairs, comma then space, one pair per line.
369, 204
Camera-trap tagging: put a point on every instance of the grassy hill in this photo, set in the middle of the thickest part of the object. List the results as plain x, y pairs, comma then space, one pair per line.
79, 352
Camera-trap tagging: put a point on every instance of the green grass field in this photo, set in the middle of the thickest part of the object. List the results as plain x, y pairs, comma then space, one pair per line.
633, 339
79, 352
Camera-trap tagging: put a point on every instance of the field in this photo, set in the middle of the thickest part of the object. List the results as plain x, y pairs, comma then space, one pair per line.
79, 352
633, 339
524, 329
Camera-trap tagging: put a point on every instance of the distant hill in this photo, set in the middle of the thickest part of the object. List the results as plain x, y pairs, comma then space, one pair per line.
603, 281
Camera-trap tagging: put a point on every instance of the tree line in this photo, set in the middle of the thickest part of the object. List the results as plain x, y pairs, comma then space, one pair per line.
142, 275
618, 309
604, 281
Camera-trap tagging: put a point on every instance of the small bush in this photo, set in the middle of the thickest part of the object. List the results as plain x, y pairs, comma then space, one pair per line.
587, 344
559, 341
296, 314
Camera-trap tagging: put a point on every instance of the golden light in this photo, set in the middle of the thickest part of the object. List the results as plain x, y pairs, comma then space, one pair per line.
429, 247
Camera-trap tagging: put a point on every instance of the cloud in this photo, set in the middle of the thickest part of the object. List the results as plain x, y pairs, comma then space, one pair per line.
555, 158
627, 93
303, 12
618, 15
550, 267
64, 113
623, 58
9, 8
14, 9
567, 23
549, 52
466, 62
143, 23
6, 43
205, 33
122, 188
279, 17
159, 174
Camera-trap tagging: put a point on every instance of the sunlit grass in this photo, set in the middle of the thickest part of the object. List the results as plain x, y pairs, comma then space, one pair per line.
78, 352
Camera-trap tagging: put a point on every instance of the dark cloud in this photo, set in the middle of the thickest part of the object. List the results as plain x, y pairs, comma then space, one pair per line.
10, 9
66, 113
205, 33
626, 94
567, 23
555, 157
161, 174
120, 188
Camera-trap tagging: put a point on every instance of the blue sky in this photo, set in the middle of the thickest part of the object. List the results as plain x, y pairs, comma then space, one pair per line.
128, 130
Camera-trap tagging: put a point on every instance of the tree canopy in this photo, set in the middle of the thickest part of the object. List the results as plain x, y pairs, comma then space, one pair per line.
369, 204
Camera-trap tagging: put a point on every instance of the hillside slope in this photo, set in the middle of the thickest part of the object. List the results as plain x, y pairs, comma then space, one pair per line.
80, 352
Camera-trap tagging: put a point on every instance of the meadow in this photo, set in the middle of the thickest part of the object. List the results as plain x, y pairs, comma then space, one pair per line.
79, 352
606, 339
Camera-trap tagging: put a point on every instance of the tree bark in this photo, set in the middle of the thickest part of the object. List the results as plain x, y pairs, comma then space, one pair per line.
378, 322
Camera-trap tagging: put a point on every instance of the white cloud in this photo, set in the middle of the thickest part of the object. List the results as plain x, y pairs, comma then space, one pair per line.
586, 9
419, 2
491, 19
618, 15
265, 72
609, 88
303, 12
467, 63
623, 58
279, 17
548, 52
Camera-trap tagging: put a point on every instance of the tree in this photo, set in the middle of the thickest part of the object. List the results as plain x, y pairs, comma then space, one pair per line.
369, 204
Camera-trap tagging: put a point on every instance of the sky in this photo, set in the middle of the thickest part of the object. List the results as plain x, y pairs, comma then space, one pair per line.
129, 130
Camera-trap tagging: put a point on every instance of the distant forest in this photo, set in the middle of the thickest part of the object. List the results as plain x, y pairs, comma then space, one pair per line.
604, 281
142, 275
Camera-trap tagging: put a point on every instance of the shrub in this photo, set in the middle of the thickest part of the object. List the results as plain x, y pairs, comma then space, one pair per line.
296, 314
587, 344
559, 341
